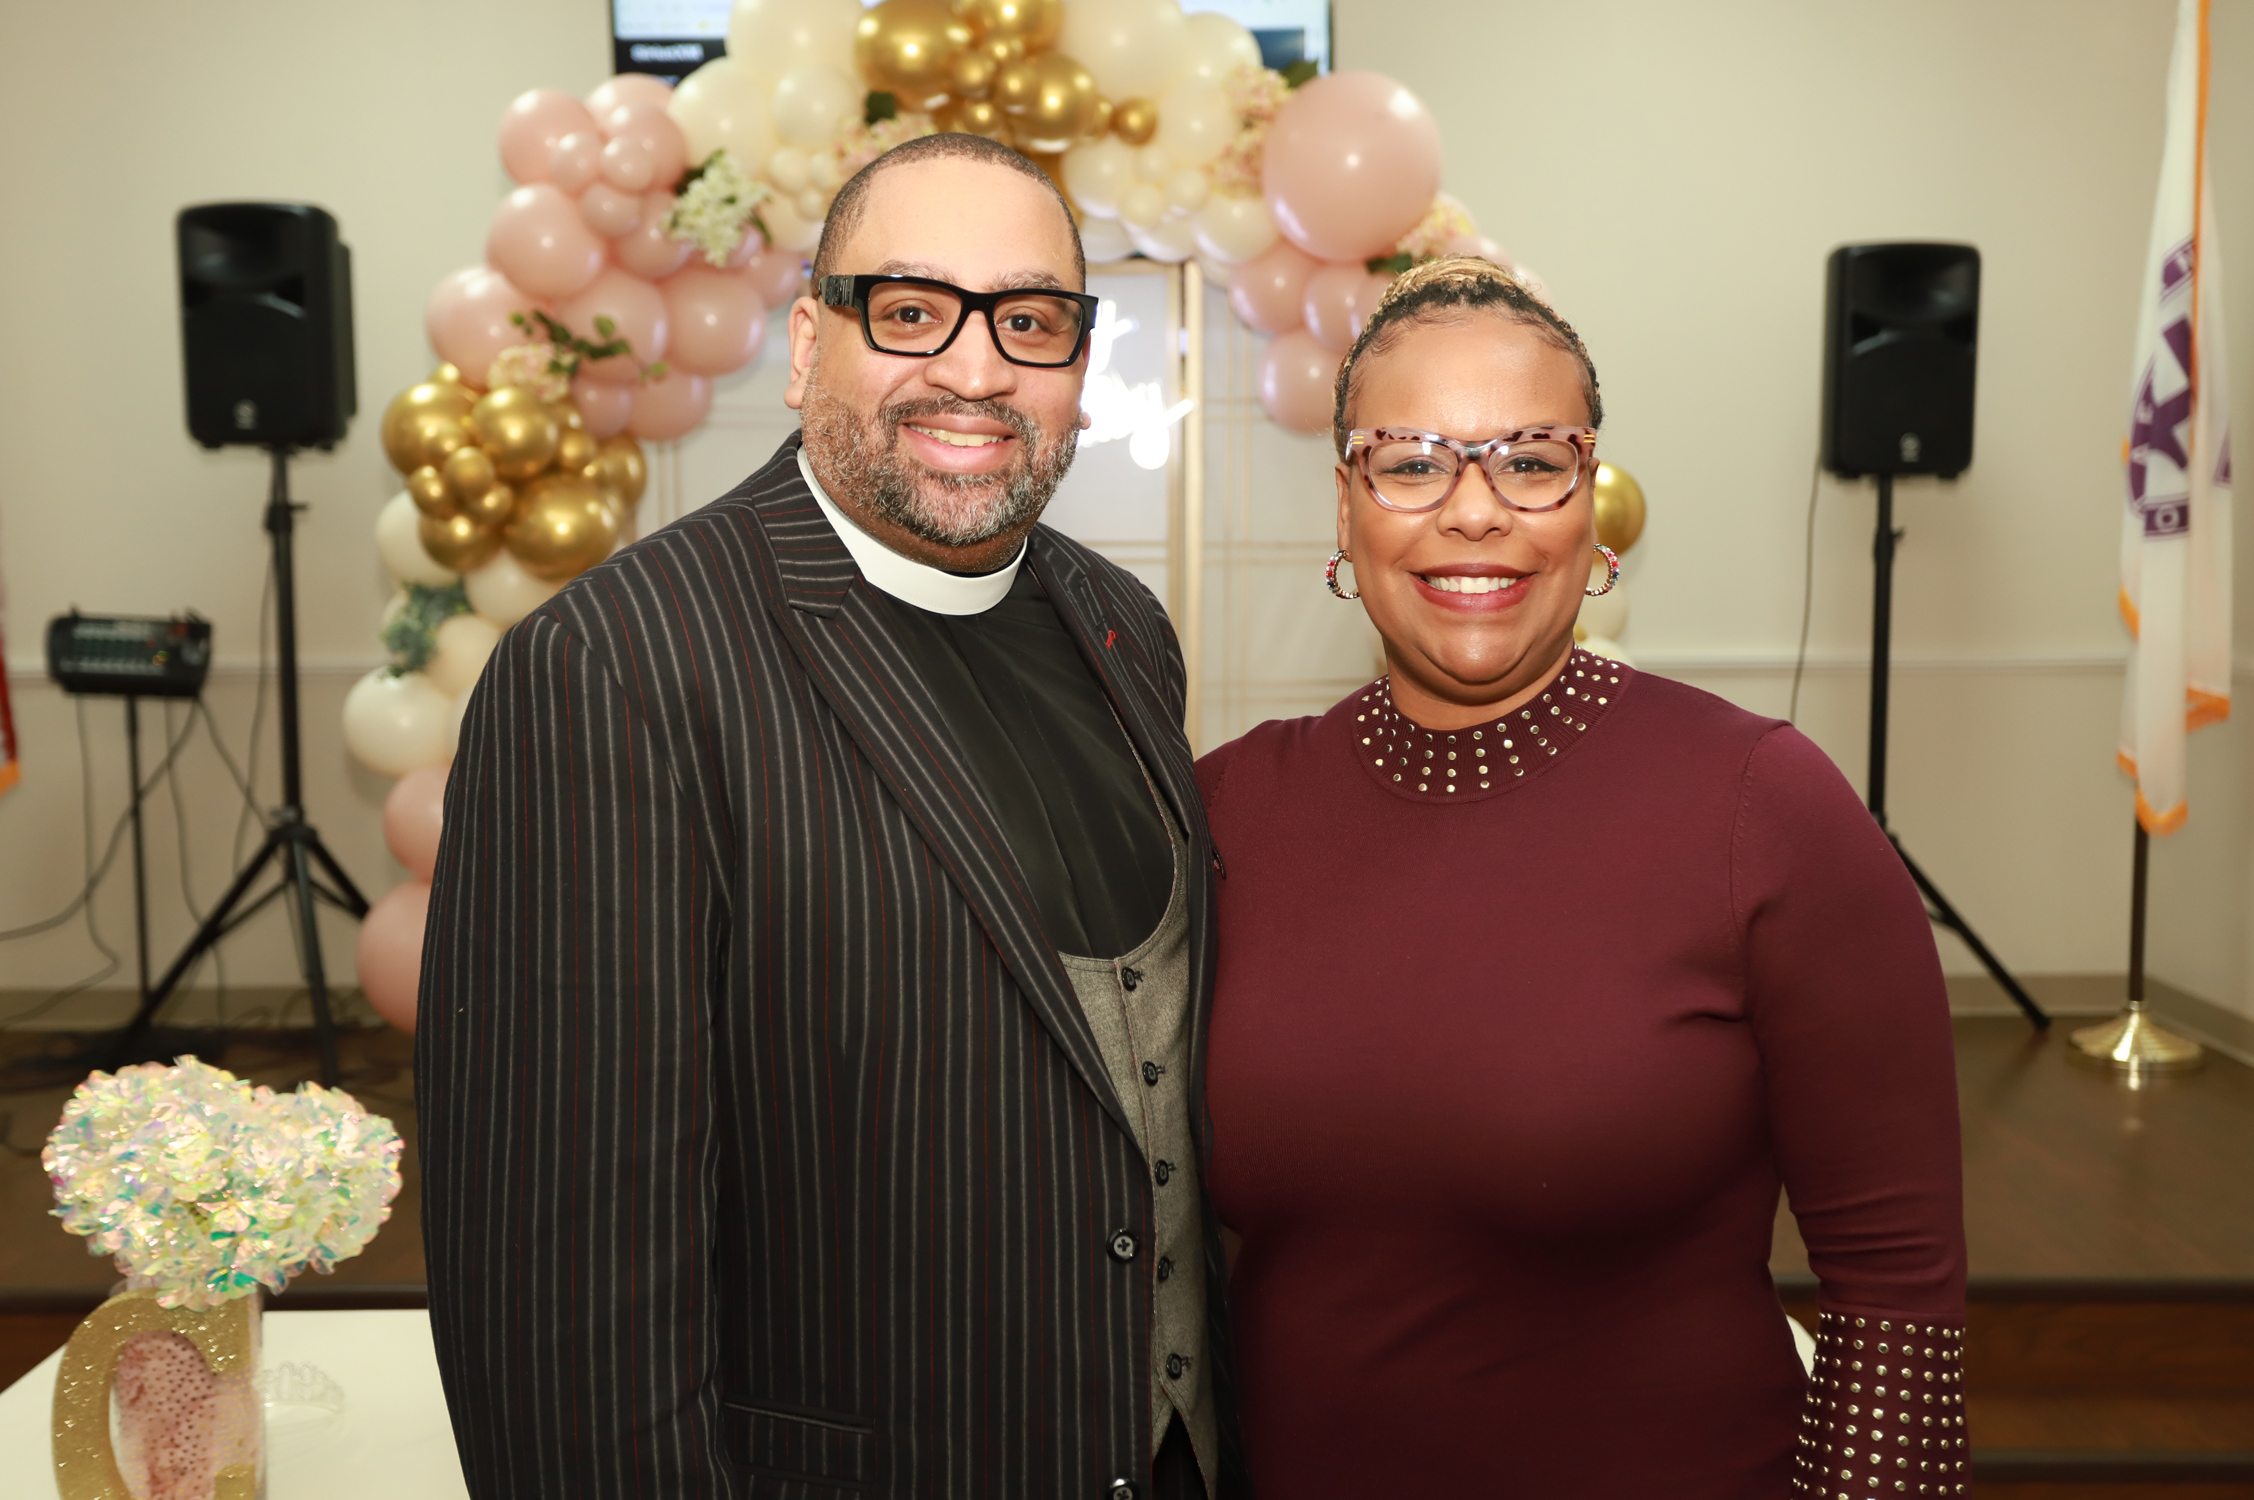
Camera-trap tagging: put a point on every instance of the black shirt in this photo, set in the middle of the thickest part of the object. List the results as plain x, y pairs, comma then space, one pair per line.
1055, 764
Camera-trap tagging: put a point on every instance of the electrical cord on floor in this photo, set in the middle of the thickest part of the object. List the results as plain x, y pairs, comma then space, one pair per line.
1807, 589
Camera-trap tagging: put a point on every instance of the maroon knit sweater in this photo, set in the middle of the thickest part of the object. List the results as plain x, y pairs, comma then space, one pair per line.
1507, 1068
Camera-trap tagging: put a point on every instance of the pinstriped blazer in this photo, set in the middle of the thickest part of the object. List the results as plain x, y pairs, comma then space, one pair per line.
766, 1151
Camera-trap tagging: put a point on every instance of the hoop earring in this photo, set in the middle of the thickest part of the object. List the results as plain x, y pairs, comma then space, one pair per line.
1330, 576
1612, 572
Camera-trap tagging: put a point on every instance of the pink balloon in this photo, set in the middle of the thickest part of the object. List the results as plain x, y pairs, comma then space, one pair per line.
391, 951
629, 88
647, 249
531, 126
412, 814
777, 275
628, 164
652, 129
604, 407
1351, 164
609, 211
671, 407
575, 161
714, 320
539, 242
1339, 301
1297, 377
1270, 290
468, 320
636, 313
1481, 246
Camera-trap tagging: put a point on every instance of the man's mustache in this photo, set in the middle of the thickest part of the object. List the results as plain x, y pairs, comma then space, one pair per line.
1021, 426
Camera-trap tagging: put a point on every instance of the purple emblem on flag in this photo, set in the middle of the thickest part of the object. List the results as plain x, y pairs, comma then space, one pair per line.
2175, 268
2166, 516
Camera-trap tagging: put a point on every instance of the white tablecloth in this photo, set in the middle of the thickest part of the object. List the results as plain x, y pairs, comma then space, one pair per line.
392, 1439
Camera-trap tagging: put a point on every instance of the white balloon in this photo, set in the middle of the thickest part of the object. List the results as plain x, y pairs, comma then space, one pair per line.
1216, 47
1217, 272
504, 592
1152, 163
1142, 205
822, 172
1169, 240
721, 106
464, 642
814, 103
768, 38
393, 724
1606, 615
1098, 172
1235, 229
791, 229
1186, 189
1104, 240
786, 169
1132, 47
1196, 122
812, 204
399, 543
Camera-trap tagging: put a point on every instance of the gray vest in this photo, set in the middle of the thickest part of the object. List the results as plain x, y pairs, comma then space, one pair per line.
1139, 1005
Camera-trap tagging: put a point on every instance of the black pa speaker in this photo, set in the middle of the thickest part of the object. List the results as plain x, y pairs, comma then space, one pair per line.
265, 325
1901, 332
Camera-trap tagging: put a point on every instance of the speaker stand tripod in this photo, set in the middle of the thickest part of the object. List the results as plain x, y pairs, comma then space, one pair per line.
291, 845
1937, 906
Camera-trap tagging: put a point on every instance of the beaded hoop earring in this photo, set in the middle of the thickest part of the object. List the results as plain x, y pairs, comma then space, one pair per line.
1330, 576
1612, 572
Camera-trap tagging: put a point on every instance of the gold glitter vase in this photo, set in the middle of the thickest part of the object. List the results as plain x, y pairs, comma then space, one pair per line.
188, 1420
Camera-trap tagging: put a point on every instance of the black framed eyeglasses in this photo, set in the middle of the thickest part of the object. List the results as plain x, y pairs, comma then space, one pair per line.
918, 318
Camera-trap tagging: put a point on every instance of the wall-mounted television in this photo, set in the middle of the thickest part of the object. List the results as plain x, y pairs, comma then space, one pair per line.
673, 38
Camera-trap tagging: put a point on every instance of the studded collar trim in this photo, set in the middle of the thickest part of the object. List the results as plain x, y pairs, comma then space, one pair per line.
1485, 760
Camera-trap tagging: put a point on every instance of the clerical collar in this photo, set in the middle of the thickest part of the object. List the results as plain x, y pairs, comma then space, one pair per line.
905, 579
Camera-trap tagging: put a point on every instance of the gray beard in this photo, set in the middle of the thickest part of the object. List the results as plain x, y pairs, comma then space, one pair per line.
947, 510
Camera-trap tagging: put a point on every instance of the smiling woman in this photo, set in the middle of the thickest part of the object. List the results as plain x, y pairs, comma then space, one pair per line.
1538, 978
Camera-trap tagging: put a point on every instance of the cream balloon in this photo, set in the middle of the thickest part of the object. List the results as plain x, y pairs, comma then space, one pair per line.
399, 543
1216, 46
1217, 272
768, 38
721, 106
1133, 47
1098, 172
814, 104
1142, 205
463, 644
503, 592
1105, 240
457, 708
789, 228
393, 724
1234, 229
787, 168
1187, 189
1169, 240
1196, 122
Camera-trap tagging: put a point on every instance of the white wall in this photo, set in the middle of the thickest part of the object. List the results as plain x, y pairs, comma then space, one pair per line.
1677, 173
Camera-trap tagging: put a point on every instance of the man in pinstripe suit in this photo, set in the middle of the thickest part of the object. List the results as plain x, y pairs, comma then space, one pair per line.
820, 951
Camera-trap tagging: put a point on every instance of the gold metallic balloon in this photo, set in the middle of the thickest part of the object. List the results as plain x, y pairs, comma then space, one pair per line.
1134, 121
566, 414
1103, 119
575, 449
446, 374
1619, 506
907, 48
973, 75
457, 542
427, 488
562, 527
1004, 50
976, 117
490, 507
515, 427
423, 423
1051, 100
1036, 23
468, 472
620, 468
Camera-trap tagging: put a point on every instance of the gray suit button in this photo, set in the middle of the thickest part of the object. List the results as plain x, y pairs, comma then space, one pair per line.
1122, 1489
1122, 1246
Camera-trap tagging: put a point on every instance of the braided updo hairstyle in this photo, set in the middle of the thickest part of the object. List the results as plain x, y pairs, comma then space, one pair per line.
1426, 293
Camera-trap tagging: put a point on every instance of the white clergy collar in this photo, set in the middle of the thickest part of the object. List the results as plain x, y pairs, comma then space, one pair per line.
905, 579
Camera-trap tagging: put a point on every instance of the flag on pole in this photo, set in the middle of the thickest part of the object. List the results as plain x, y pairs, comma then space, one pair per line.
2176, 532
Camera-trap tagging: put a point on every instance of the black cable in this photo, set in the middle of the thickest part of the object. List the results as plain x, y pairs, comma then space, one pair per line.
1807, 590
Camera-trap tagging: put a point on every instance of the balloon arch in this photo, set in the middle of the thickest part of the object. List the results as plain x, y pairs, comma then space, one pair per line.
652, 230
